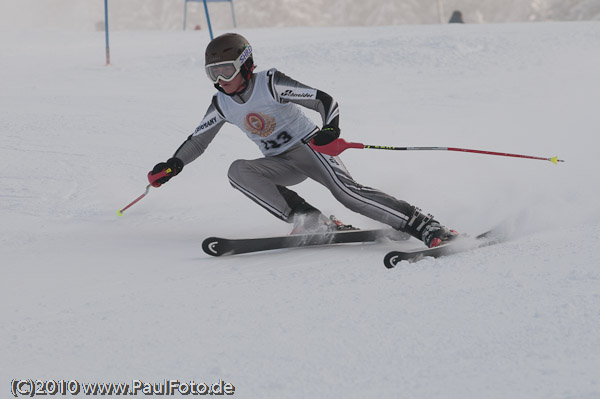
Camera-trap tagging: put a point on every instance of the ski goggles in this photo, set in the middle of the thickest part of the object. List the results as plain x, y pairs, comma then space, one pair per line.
227, 70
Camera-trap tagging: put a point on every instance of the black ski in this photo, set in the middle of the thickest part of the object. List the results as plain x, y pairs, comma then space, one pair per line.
459, 245
216, 246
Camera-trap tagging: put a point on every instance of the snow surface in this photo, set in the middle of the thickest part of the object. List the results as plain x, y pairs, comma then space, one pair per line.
90, 296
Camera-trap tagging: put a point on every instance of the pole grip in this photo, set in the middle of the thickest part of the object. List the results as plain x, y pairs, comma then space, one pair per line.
152, 178
336, 147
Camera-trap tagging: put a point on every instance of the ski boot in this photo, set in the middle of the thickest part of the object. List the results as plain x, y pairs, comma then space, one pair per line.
424, 227
435, 235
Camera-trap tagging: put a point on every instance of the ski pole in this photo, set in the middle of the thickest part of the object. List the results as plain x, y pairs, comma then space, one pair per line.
120, 212
157, 176
336, 147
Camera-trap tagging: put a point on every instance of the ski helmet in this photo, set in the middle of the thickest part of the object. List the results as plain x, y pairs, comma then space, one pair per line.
226, 56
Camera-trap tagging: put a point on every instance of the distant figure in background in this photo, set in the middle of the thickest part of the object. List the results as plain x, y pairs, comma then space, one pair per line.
456, 18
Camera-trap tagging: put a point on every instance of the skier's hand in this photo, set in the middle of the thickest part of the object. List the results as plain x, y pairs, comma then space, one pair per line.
326, 135
163, 171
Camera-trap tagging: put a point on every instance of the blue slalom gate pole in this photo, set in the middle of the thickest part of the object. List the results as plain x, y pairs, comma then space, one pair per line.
208, 19
106, 32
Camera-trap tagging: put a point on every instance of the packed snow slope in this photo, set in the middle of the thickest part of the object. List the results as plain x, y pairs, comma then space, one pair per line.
91, 296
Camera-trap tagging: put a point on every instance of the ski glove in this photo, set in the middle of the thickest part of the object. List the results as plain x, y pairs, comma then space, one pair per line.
163, 171
326, 135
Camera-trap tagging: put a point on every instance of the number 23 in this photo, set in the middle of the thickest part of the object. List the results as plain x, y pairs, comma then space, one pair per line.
281, 139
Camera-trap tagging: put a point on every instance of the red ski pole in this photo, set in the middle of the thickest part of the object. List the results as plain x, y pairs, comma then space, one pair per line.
120, 211
157, 176
338, 146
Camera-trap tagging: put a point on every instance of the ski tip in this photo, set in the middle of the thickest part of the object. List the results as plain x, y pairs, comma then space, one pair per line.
120, 212
211, 246
391, 260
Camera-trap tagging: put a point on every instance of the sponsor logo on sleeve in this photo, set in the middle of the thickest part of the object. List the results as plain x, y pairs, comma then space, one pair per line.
298, 93
205, 124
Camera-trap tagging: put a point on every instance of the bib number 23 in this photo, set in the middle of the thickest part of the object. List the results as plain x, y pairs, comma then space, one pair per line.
281, 139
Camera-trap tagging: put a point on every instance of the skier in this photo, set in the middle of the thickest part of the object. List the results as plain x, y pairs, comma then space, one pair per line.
264, 105
456, 18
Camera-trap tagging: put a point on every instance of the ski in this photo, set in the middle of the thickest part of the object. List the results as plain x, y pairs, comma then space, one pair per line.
217, 246
461, 244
